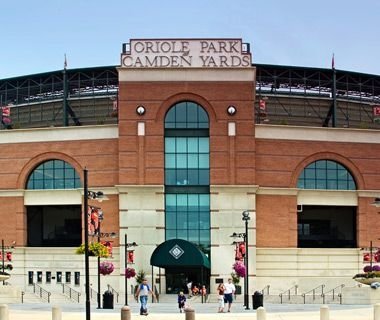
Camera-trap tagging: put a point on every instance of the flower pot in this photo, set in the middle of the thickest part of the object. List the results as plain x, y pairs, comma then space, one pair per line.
367, 281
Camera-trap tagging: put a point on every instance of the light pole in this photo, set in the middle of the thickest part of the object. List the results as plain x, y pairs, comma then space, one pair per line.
100, 197
126, 246
100, 219
86, 254
246, 218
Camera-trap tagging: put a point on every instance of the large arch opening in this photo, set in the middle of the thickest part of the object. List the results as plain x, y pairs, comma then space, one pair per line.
325, 224
53, 225
187, 189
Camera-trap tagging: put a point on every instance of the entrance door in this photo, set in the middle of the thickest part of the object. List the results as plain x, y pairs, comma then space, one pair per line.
178, 278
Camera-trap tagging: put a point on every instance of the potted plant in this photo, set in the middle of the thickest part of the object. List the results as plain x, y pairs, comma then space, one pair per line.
236, 281
371, 274
106, 268
140, 276
96, 249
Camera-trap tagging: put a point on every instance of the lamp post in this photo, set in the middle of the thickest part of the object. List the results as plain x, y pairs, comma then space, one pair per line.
86, 254
100, 219
126, 246
100, 197
246, 218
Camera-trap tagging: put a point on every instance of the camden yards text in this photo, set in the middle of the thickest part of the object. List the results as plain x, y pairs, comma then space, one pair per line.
225, 53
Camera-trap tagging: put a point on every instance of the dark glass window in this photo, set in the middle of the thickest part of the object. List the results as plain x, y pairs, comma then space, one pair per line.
54, 174
187, 175
326, 174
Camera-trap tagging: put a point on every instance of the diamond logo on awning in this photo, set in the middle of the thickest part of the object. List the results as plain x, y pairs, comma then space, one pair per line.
176, 251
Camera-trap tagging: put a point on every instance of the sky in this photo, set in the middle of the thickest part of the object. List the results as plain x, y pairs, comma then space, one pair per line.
36, 35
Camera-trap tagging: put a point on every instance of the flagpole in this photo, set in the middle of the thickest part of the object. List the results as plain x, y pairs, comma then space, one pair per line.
334, 92
65, 94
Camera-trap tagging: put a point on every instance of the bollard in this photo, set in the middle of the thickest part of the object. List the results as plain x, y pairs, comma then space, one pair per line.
56, 313
325, 313
125, 313
261, 313
4, 312
189, 313
376, 311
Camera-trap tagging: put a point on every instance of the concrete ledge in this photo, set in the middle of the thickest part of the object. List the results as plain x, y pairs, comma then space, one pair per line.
360, 295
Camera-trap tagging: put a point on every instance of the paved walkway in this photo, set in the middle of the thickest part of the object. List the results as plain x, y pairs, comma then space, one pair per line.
168, 311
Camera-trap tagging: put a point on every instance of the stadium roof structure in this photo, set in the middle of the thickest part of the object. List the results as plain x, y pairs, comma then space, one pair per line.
294, 95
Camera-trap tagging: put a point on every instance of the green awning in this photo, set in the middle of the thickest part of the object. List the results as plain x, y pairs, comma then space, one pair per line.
178, 253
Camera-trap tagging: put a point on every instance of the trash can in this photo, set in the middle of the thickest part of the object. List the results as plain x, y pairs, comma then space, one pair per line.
257, 300
108, 300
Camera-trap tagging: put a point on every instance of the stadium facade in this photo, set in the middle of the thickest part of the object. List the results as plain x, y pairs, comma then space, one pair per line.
183, 137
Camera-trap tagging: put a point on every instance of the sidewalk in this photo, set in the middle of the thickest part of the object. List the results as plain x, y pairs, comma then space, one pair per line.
169, 311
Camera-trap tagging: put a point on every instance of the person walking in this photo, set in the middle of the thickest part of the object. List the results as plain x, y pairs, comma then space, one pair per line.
220, 292
228, 293
143, 291
181, 301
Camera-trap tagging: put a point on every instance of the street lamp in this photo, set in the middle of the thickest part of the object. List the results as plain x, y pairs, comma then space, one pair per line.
126, 246
100, 197
100, 219
246, 218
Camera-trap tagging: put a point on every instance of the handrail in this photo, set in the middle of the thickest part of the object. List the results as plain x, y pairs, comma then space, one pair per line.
70, 293
265, 288
93, 293
323, 295
41, 292
114, 292
313, 291
288, 292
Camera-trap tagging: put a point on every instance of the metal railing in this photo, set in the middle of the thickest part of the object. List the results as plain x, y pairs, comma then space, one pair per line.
114, 292
93, 294
70, 293
333, 292
266, 288
287, 292
313, 291
41, 292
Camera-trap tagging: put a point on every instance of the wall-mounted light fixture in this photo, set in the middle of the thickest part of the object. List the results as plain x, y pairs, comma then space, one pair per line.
140, 110
231, 110
376, 202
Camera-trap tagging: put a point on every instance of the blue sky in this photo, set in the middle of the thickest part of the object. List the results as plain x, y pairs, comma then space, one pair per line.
35, 35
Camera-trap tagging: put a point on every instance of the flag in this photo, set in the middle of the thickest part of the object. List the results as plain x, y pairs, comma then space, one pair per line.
332, 62
65, 63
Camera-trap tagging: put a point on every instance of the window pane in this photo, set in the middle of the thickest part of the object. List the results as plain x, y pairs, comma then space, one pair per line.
329, 175
169, 145
204, 145
181, 145
192, 145
170, 161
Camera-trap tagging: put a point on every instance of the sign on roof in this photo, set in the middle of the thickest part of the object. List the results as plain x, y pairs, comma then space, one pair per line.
186, 53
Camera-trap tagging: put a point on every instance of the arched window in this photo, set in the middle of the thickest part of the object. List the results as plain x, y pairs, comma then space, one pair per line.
187, 174
54, 174
326, 174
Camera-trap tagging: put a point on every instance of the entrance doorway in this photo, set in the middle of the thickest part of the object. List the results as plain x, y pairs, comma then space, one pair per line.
178, 278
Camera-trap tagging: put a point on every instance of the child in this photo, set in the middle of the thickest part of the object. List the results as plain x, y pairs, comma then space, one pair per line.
181, 301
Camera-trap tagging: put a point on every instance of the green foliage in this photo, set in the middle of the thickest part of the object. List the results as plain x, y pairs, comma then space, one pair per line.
140, 276
368, 275
96, 249
235, 278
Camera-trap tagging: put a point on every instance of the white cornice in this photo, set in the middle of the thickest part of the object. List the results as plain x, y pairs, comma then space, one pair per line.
189, 74
277, 132
59, 134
